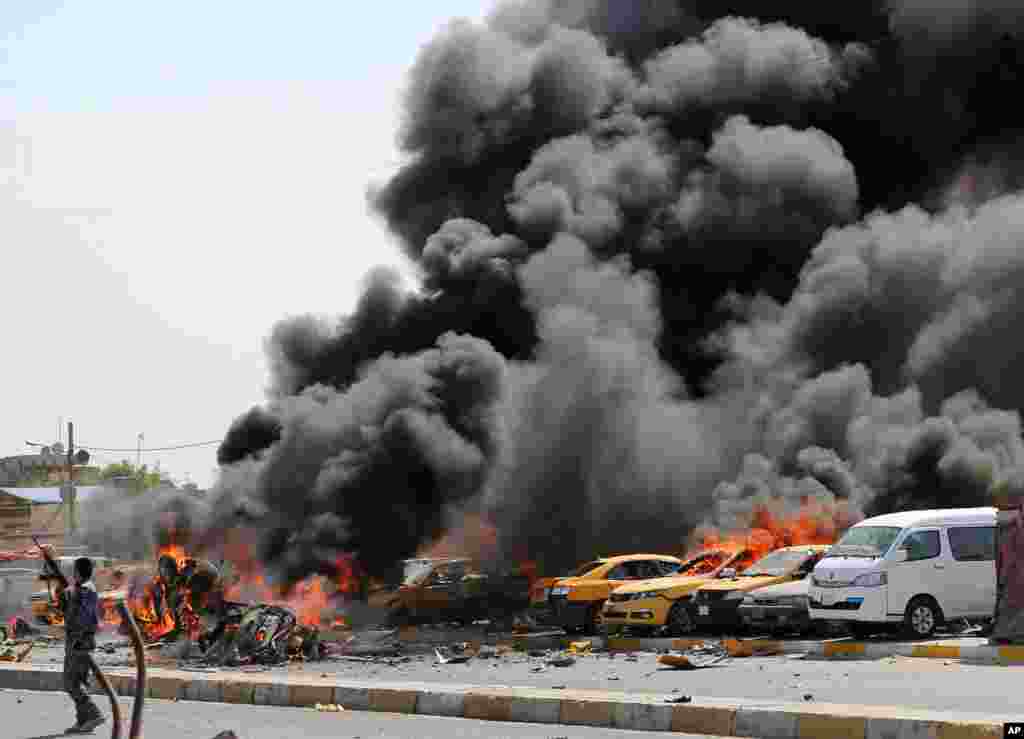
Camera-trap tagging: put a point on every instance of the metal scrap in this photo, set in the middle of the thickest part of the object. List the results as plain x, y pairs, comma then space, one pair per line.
451, 659
696, 657
679, 699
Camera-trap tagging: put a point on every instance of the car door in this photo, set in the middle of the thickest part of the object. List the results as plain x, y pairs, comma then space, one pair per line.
924, 571
972, 575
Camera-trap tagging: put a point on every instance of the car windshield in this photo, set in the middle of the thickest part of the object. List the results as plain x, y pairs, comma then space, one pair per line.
586, 569
415, 570
865, 541
703, 566
776, 564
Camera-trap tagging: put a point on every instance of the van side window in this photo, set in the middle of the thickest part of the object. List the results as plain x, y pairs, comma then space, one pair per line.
922, 545
973, 543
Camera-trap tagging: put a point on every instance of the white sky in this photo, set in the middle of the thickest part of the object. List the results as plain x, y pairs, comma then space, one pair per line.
173, 180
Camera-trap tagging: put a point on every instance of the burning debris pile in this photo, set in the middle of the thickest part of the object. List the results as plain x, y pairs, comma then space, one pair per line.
228, 610
663, 245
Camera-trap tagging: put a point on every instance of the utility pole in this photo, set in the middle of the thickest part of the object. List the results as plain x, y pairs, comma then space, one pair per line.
138, 453
69, 494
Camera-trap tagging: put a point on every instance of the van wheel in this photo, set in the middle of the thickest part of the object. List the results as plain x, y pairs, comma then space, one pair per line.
679, 622
922, 617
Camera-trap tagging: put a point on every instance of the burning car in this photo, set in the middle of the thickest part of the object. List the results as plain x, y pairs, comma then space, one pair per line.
458, 590
662, 602
717, 603
576, 601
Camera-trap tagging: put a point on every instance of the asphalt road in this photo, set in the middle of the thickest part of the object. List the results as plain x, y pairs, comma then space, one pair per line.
45, 716
926, 683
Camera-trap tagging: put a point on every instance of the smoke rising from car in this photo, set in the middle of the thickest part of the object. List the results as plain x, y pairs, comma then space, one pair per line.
681, 262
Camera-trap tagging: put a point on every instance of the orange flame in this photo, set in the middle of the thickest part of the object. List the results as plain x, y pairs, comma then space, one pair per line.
813, 523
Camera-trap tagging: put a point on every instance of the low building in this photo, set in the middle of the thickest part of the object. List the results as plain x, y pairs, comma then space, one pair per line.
25, 512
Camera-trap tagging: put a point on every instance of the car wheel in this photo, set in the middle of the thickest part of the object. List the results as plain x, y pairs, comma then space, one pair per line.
679, 621
594, 621
922, 617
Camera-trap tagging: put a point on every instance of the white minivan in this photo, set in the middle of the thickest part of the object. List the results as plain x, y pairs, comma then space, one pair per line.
916, 568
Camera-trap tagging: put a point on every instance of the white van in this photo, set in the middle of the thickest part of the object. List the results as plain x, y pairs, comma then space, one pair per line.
916, 568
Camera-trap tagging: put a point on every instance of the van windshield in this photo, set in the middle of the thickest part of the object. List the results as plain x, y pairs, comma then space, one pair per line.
865, 541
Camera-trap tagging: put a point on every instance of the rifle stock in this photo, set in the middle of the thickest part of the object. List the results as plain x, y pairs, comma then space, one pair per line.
51, 563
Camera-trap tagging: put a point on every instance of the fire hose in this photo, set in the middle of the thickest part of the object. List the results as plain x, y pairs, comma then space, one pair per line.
115, 706
135, 732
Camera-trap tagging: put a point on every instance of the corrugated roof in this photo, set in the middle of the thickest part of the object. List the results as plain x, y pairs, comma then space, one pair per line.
50, 495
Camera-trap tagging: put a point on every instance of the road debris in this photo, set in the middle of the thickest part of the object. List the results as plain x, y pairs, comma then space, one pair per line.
679, 699
696, 657
329, 708
451, 659
12, 652
581, 647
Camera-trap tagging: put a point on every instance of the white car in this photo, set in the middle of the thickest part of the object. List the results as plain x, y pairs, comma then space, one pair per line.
916, 569
778, 608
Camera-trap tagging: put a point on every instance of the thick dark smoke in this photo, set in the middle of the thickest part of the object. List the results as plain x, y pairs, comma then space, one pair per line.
680, 260
372, 469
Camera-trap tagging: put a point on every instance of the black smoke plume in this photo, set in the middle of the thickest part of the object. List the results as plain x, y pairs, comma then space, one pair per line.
680, 260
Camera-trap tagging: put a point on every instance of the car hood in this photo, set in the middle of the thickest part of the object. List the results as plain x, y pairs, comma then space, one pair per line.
845, 568
745, 584
662, 583
785, 589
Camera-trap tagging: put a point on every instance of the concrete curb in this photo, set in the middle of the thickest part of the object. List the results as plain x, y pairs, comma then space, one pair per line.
834, 649
647, 712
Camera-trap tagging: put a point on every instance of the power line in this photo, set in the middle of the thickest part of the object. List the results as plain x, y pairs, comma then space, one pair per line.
90, 447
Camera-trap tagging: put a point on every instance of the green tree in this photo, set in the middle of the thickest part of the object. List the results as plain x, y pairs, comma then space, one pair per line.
138, 479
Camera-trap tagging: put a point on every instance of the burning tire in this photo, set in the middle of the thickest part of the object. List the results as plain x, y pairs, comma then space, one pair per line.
679, 622
922, 617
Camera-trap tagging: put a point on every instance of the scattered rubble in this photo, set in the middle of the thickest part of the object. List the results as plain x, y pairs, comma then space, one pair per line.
696, 657
680, 699
451, 659
330, 708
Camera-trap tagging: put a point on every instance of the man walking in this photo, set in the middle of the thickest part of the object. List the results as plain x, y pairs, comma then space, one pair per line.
80, 605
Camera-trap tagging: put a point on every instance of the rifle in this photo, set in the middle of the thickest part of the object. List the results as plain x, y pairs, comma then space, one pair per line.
115, 706
51, 564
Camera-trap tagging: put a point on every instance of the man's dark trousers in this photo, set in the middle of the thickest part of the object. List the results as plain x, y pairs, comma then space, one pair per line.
76, 679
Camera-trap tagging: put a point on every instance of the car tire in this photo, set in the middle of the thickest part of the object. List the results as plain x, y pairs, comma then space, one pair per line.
922, 617
594, 621
679, 622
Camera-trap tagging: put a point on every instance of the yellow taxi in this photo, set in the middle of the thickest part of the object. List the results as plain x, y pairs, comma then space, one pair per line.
662, 602
575, 602
716, 604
